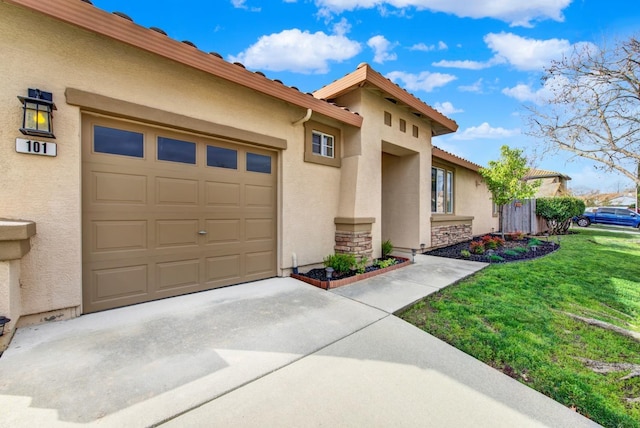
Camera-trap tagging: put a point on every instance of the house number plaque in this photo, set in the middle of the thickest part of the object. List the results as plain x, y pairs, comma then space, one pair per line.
32, 147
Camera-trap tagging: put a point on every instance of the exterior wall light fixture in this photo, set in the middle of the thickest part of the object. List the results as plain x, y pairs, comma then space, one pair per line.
37, 113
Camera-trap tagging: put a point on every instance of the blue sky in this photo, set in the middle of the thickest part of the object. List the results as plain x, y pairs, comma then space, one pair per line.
476, 61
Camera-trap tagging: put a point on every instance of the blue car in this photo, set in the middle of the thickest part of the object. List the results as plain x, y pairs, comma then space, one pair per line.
609, 215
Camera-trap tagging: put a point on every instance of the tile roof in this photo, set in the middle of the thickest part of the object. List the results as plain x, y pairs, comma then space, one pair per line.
364, 75
543, 173
439, 153
120, 27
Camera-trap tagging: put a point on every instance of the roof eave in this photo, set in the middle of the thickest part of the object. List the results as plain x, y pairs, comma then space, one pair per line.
364, 75
84, 15
449, 157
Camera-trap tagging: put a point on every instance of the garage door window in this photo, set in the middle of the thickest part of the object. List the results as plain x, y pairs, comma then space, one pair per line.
176, 150
118, 142
220, 157
258, 163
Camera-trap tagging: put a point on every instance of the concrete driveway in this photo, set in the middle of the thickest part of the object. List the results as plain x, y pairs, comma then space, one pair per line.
271, 353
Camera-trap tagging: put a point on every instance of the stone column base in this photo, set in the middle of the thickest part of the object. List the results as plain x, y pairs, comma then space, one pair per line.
353, 236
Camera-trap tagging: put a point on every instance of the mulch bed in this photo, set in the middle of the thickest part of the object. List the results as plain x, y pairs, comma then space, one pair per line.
318, 277
455, 251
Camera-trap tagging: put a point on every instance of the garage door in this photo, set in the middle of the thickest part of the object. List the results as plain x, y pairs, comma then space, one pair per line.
166, 213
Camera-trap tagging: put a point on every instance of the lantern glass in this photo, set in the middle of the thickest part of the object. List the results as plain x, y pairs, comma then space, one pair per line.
37, 113
36, 117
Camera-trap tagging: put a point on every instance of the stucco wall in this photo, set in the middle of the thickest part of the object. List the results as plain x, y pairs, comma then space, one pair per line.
472, 198
393, 189
47, 190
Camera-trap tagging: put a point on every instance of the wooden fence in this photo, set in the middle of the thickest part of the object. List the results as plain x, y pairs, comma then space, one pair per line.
521, 217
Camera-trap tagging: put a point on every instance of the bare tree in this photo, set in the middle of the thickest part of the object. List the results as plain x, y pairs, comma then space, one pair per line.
591, 107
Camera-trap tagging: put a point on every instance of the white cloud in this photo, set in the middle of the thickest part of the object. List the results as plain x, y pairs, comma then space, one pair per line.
298, 51
465, 64
484, 132
521, 52
382, 49
522, 92
426, 48
446, 108
425, 81
475, 87
341, 27
240, 4
525, 53
516, 13
541, 96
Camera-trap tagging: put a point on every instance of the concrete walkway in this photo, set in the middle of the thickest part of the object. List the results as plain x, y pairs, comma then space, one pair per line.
272, 353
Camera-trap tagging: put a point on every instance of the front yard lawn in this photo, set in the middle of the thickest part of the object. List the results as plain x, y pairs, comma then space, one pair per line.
567, 325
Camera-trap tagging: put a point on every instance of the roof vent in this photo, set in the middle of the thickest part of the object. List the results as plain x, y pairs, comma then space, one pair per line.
279, 81
215, 54
123, 15
87, 1
158, 30
260, 73
239, 64
187, 42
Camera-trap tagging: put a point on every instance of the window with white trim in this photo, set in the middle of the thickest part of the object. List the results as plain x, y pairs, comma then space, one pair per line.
441, 191
322, 144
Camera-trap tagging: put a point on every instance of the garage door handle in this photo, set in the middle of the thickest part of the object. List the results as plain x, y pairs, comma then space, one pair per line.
202, 232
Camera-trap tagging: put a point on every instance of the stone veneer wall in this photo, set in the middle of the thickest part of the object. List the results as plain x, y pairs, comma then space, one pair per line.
450, 234
353, 236
356, 243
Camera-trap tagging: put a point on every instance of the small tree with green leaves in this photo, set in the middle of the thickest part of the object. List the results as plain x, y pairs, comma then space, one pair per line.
504, 178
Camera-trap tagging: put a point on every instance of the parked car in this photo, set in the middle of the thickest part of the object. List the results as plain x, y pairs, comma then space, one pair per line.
609, 215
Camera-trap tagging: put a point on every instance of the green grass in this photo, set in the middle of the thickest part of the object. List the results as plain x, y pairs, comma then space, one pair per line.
514, 318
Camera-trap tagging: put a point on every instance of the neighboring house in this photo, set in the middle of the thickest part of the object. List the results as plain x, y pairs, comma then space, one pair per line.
624, 200
552, 183
177, 171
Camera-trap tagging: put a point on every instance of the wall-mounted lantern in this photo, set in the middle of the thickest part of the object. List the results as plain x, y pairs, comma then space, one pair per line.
38, 111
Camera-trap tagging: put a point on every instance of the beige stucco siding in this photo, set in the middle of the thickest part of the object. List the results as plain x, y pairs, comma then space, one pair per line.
47, 190
472, 198
310, 197
386, 173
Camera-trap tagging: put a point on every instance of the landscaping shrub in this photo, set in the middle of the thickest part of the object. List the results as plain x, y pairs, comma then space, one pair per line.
534, 241
341, 263
515, 236
385, 263
492, 242
361, 266
558, 212
476, 247
387, 248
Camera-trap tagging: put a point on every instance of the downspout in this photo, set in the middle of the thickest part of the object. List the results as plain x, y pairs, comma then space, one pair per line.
304, 119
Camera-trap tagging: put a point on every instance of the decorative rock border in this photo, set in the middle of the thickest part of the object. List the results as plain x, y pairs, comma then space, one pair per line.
327, 285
